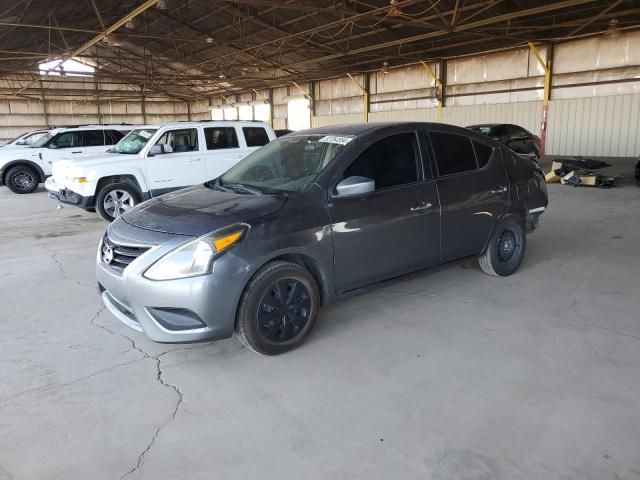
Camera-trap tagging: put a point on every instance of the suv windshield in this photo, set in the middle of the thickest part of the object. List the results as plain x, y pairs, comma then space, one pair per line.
287, 164
133, 142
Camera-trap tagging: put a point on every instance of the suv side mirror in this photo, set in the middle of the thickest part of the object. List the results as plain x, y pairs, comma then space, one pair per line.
353, 186
52, 145
158, 149
21, 142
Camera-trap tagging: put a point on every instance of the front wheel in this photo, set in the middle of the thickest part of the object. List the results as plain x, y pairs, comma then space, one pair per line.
506, 248
114, 199
22, 179
278, 308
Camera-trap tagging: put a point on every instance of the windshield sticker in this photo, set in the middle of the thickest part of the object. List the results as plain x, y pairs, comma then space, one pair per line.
336, 139
144, 134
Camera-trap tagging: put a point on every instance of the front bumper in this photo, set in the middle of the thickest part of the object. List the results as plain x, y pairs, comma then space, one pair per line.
65, 195
171, 311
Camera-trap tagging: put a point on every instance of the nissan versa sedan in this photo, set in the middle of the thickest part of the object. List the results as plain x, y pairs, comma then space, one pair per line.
309, 219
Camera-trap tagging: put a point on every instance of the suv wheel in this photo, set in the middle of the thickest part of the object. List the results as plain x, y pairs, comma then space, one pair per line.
116, 198
278, 308
22, 179
506, 248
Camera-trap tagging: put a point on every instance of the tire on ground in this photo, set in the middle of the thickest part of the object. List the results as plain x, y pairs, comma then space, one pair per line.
22, 179
263, 282
119, 186
506, 248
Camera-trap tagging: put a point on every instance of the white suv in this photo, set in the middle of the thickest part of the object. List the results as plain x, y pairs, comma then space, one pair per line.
22, 169
153, 160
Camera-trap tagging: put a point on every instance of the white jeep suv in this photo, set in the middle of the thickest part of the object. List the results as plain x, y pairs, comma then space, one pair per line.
153, 160
22, 169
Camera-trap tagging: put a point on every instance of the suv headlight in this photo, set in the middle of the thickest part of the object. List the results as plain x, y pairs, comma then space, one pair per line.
196, 256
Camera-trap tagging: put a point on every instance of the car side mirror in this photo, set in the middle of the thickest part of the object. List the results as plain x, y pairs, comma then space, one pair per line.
158, 149
52, 145
21, 142
354, 186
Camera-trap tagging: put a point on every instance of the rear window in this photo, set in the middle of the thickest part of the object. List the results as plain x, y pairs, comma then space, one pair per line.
93, 138
483, 153
454, 153
220, 137
113, 136
255, 136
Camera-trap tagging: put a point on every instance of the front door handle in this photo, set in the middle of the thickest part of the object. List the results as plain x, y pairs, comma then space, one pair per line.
421, 207
77, 151
497, 190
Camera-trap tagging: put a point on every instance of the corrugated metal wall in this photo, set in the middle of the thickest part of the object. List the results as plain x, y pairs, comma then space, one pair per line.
602, 126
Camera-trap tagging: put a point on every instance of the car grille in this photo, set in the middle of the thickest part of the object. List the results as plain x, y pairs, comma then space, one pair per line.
117, 257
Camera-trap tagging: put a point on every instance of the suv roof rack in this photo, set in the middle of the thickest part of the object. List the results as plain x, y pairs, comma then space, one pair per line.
90, 125
204, 121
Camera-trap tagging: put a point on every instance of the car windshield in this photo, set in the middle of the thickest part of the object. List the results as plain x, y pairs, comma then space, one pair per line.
134, 141
288, 164
42, 141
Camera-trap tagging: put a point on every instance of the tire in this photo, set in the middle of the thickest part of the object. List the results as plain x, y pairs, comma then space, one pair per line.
269, 326
506, 248
116, 198
22, 179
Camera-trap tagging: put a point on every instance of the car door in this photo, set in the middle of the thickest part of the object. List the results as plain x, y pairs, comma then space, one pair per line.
63, 145
177, 162
393, 230
473, 189
223, 150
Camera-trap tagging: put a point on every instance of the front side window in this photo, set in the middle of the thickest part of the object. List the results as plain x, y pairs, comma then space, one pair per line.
255, 136
454, 153
220, 137
134, 141
66, 140
93, 138
390, 162
288, 164
179, 141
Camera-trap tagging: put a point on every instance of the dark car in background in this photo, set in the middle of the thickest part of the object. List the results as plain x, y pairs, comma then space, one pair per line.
515, 137
311, 218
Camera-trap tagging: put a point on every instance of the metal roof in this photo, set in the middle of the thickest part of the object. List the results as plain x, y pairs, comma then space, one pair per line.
197, 48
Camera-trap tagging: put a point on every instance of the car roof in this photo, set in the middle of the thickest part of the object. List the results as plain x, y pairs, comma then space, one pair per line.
361, 129
118, 126
205, 123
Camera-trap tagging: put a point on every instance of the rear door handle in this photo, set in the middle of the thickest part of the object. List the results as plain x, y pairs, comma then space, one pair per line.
421, 207
497, 190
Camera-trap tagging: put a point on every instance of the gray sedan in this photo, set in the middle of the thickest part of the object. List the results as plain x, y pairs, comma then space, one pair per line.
311, 218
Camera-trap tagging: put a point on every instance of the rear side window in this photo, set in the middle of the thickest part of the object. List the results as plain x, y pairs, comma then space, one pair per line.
483, 153
221, 137
255, 136
93, 138
113, 136
390, 162
454, 153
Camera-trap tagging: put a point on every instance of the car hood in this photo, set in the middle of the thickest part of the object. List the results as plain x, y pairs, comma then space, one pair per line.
92, 159
11, 152
199, 210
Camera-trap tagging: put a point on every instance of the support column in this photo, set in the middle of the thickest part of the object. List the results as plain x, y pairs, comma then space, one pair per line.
546, 65
97, 89
439, 87
311, 106
44, 105
144, 112
365, 97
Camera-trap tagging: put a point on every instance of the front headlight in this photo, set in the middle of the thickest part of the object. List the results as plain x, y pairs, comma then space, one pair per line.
196, 256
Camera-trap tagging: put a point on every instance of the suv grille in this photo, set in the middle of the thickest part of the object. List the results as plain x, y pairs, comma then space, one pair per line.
117, 257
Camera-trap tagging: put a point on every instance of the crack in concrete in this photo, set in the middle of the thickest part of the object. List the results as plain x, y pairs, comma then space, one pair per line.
63, 272
67, 384
583, 321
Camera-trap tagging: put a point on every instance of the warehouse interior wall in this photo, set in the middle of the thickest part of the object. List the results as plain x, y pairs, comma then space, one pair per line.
594, 106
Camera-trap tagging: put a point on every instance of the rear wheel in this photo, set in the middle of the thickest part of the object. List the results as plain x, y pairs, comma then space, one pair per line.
22, 179
116, 198
506, 248
278, 308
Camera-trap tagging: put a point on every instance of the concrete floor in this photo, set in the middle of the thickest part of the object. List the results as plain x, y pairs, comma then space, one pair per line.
456, 375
